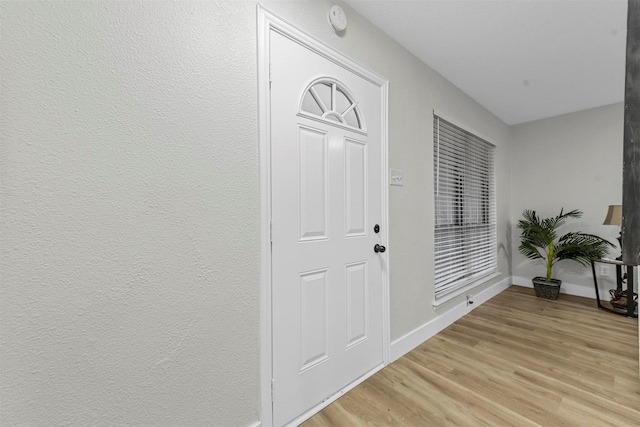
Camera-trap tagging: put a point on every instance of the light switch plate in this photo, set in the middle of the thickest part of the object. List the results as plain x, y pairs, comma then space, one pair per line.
396, 177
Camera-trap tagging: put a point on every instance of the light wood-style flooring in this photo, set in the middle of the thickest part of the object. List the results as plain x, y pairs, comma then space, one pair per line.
516, 360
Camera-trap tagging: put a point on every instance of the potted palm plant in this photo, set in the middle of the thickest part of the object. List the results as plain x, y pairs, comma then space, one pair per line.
540, 241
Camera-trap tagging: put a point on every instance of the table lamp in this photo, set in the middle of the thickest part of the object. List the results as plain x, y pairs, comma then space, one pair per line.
614, 217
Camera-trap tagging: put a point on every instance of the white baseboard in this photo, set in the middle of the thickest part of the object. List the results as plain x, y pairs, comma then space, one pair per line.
408, 342
256, 424
565, 288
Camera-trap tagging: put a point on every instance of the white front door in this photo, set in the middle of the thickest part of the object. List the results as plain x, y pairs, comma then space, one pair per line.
327, 197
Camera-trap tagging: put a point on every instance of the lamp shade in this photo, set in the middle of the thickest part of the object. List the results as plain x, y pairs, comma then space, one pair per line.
614, 215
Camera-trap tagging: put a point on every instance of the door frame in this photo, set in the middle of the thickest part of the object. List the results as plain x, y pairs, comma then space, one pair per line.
266, 22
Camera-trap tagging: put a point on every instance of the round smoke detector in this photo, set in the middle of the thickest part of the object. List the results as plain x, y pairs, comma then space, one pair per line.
337, 19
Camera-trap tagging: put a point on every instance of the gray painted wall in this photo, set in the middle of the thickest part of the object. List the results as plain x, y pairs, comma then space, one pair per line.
572, 161
130, 202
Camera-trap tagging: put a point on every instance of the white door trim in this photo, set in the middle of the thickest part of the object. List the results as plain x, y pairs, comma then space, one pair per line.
268, 21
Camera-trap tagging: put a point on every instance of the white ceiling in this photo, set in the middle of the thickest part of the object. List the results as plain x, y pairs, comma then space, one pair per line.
523, 60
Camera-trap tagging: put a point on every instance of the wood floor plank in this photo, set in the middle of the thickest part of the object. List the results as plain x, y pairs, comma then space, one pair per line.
437, 395
516, 360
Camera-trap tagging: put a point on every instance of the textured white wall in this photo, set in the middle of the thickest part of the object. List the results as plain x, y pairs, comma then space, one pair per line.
130, 204
572, 161
130, 260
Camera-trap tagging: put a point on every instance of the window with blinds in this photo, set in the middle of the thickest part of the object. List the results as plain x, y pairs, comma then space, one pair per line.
465, 213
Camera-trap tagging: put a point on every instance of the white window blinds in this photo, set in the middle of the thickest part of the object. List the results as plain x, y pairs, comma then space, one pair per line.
465, 214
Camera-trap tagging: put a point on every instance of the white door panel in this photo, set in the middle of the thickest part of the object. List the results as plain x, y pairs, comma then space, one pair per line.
326, 198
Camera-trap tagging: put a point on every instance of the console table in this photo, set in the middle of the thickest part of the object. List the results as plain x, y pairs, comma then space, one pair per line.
621, 267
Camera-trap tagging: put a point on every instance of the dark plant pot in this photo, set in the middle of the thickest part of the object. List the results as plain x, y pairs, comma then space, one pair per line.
544, 289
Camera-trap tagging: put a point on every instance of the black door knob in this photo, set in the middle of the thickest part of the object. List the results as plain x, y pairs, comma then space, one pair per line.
379, 248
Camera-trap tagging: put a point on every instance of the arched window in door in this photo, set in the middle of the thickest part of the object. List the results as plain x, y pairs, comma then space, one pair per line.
329, 100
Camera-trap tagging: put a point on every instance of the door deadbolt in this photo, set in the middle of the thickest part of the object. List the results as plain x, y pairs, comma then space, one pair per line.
376, 228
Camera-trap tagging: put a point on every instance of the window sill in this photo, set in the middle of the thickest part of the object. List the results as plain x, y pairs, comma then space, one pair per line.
480, 281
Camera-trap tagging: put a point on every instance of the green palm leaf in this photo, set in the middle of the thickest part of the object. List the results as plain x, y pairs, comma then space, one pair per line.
538, 240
